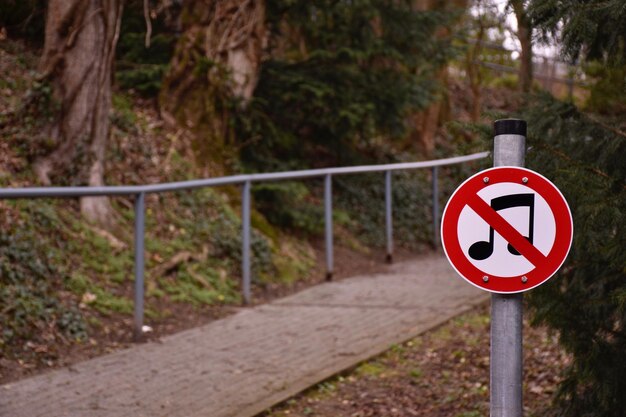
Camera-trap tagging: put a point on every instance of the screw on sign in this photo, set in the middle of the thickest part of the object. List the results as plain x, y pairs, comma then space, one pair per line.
506, 229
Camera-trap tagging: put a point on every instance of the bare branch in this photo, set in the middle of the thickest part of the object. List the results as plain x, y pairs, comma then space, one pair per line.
146, 16
605, 126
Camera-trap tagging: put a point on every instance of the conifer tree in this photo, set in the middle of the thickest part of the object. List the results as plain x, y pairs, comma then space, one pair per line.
338, 75
584, 153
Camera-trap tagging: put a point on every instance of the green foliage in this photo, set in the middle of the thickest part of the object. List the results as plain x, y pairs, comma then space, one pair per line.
294, 260
607, 92
31, 307
353, 72
123, 116
103, 300
49, 239
138, 67
144, 78
416, 374
203, 218
289, 205
586, 301
101, 271
359, 204
473, 413
508, 82
199, 284
22, 125
363, 197
342, 76
594, 32
97, 268
595, 29
371, 369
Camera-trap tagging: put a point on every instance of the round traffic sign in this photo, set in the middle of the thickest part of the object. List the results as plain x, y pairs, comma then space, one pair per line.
506, 229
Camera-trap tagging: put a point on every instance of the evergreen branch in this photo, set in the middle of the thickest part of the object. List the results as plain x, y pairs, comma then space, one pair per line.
571, 160
604, 125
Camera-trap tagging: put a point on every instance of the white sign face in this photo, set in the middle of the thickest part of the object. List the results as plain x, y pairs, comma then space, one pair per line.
522, 208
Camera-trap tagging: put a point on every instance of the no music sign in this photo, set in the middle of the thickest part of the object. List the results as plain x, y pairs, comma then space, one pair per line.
506, 229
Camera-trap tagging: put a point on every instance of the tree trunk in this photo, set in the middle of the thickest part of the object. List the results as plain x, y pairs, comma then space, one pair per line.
216, 62
473, 70
524, 34
79, 50
431, 117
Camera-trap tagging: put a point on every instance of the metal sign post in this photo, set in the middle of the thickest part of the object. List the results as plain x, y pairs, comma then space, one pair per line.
506, 309
506, 230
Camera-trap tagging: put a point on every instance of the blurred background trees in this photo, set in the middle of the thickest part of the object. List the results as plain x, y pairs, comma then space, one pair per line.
265, 85
339, 76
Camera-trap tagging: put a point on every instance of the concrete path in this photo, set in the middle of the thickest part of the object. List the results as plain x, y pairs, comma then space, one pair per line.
240, 365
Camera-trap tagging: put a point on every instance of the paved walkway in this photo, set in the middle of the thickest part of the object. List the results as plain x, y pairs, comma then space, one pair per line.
240, 365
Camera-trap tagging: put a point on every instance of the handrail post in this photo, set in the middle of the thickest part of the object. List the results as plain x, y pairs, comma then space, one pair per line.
245, 241
435, 185
388, 216
140, 210
328, 225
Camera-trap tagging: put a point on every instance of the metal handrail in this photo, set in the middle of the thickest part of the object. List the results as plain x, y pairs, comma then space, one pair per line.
116, 190
139, 191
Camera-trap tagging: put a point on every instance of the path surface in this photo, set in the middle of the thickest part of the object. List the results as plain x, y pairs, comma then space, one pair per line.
240, 365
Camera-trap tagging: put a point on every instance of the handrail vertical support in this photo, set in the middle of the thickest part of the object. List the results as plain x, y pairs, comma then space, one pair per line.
388, 216
140, 210
328, 225
435, 180
245, 241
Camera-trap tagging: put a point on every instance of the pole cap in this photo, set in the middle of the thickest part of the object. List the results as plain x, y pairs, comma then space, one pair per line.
509, 127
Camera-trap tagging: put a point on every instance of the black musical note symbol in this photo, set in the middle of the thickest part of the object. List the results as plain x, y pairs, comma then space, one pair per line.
483, 249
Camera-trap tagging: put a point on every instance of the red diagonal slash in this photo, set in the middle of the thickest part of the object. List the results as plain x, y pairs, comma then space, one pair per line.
508, 232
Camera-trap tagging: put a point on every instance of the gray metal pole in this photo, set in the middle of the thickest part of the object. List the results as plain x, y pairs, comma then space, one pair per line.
328, 225
435, 174
140, 210
388, 216
506, 310
245, 241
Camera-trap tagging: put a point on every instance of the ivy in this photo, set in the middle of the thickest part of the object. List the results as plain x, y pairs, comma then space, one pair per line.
28, 294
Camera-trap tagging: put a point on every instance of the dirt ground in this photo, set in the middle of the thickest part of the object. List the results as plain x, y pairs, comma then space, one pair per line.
444, 372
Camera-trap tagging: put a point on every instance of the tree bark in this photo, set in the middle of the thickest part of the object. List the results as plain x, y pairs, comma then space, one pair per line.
473, 70
77, 60
431, 117
217, 61
524, 34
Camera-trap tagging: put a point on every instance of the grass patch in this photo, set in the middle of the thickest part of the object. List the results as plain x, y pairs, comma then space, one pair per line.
98, 297
371, 369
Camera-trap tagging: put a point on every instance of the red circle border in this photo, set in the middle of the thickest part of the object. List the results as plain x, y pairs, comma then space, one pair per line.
541, 273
